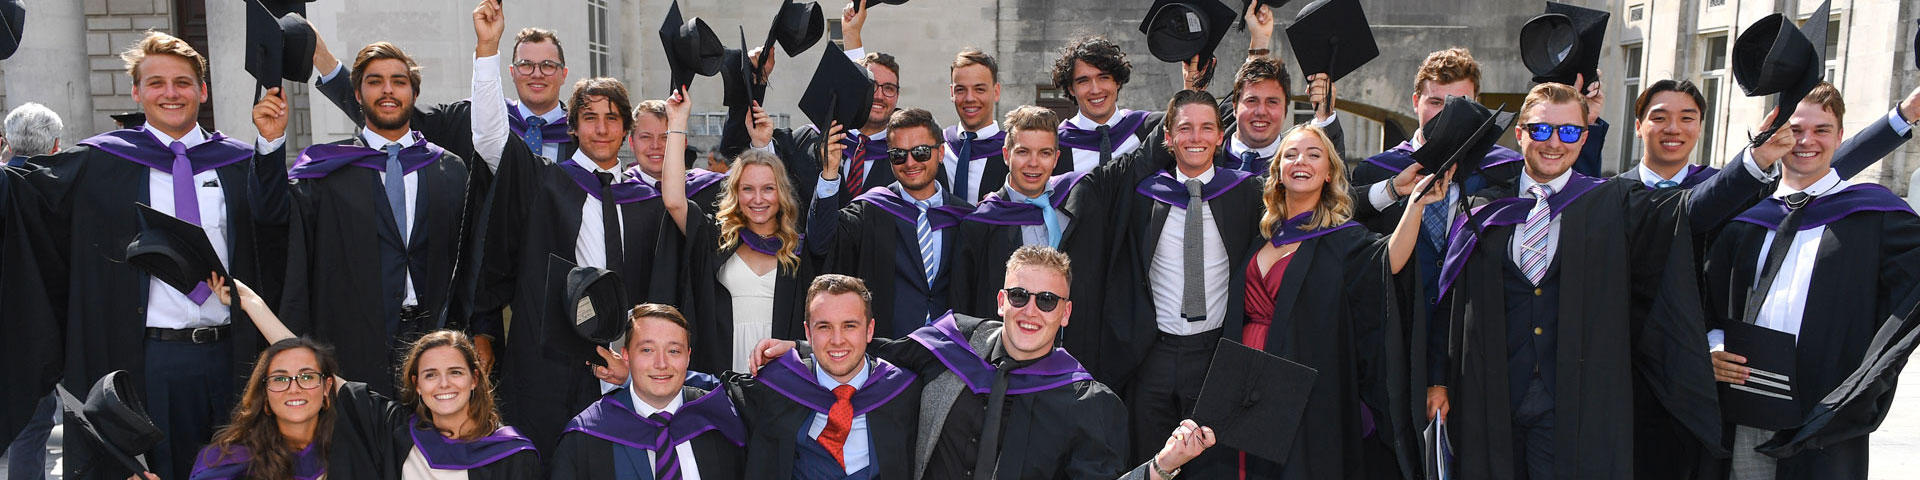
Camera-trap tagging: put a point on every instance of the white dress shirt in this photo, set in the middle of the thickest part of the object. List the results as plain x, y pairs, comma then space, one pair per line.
1515, 244
1085, 160
488, 114
1236, 147
1652, 179
167, 307
689, 469
412, 182
590, 247
1786, 303
976, 169
859, 447
1168, 273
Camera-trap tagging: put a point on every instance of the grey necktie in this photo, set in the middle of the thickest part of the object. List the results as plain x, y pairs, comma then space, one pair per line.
1193, 301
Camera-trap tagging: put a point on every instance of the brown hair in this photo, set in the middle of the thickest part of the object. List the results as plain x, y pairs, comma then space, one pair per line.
1827, 96
156, 43
1188, 97
881, 59
1335, 206
655, 108
1259, 69
659, 311
253, 427
480, 408
915, 117
837, 284
1097, 51
973, 56
1042, 257
732, 219
383, 51
603, 87
1553, 93
1030, 118
538, 35
1448, 66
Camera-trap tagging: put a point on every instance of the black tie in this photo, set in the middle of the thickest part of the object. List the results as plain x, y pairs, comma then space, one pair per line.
1106, 143
965, 156
1776, 253
990, 433
610, 220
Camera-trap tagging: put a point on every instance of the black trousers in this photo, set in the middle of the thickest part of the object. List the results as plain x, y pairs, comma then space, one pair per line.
1163, 392
189, 392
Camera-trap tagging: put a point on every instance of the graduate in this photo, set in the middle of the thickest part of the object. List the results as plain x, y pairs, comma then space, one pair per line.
1547, 328
1256, 111
900, 237
378, 226
655, 427
975, 164
586, 211
1091, 70
743, 269
1667, 119
280, 428
180, 345
834, 412
1027, 210
1773, 268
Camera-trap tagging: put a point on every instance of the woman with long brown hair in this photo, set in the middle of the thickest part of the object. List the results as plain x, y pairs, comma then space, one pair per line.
747, 279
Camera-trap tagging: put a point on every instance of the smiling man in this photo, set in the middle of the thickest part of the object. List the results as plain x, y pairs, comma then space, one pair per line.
1668, 120
1091, 70
975, 165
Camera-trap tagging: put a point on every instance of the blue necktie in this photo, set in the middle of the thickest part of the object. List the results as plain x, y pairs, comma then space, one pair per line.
965, 155
1433, 222
532, 136
1051, 217
1247, 160
397, 190
1666, 184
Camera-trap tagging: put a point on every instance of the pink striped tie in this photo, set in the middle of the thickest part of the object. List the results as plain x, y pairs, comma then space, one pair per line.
1536, 244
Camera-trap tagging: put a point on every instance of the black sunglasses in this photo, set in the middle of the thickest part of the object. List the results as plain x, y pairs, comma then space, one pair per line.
1540, 132
923, 153
1017, 297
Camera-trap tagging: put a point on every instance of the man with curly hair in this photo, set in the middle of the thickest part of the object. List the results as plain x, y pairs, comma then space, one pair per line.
1091, 70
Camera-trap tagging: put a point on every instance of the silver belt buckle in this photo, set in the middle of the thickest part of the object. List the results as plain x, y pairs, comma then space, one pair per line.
212, 335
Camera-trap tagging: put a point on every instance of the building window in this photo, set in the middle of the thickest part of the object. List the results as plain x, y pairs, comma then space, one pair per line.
1712, 77
1636, 13
833, 30
1716, 3
1631, 154
1052, 98
597, 51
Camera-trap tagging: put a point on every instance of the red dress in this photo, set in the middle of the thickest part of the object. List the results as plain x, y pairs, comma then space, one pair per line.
1260, 292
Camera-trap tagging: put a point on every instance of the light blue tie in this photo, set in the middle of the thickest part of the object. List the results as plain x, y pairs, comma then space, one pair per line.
397, 190
533, 136
1052, 219
925, 232
1433, 223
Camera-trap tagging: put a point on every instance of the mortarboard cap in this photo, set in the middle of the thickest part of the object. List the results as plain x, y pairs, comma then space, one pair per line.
1246, 6
279, 46
1564, 42
692, 48
114, 418
1774, 57
1332, 37
13, 22
737, 74
797, 27
871, 3
172, 250
1253, 400
591, 303
1177, 30
839, 91
1461, 134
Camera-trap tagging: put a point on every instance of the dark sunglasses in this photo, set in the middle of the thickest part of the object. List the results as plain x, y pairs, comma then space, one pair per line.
923, 153
1540, 132
1017, 297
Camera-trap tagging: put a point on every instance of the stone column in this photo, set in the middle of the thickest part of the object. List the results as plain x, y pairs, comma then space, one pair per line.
51, 66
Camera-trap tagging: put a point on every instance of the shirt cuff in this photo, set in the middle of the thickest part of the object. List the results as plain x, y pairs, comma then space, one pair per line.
1379, 196
857, 54
1900, 124
1765, 176
487, 68
328, 76
1335, 117
826, 188
768, 148
1716, 340
262, 146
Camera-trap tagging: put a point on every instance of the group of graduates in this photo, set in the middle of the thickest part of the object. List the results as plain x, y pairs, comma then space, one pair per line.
485, 289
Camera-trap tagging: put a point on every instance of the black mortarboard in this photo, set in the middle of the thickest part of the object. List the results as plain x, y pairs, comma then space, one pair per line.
839, 91
1253, 400
737, 75
1461, 134
692, 48
1177, 30
13, 22
279, 46
115, 419
871, 3
797, 27
1332, 37
1246, 6
1564, 42
133, 119
591, 301
172, 250
1774, 57
281, 8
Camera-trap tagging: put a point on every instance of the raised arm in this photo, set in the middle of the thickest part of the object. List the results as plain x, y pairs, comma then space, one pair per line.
1407, 233
673, 170
256, 308
489, 105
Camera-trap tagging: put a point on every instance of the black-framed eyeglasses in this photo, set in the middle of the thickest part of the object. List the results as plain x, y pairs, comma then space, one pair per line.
307, 381
547, 67
1540, 132
1047, 301
888, 90
923, 153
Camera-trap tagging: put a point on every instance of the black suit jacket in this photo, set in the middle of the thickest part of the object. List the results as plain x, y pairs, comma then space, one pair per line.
775, 423
583, 456
866, 241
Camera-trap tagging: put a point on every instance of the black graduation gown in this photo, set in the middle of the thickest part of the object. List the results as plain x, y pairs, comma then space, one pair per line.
1625, 308
775, 420
709, 305
585, 456
1340, 311
32, 348
799, 148
543, 382
993, 231
1076, 429
1867, 252
339, 224
866, 240
991, 150
448, 125
373, 435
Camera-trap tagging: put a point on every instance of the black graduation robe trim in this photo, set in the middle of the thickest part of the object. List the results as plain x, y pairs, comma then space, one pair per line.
997, 210
776, 421
1293, 230
448, 454
585, 456
1467, 229
795, 380
1862, 197
373, 436
557, 132
943, 338
214, 463
1695, 175
613, 420
27, 259
1074, 137
627, 191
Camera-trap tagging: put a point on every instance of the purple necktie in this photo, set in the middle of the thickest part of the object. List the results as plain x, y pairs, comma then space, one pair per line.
186, 205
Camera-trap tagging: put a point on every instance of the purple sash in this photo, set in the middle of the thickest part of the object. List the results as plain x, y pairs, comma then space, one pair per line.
1291, 231
449, 454
1825, 209
613, 420
1166, 189
939, 218
982, 147
1072, 136
321, 160
792, 378
1506, 211
139, 146
765, 245
556, 132
627, 191
1400, 156
995, 210
699, 179
943, 338
211, 464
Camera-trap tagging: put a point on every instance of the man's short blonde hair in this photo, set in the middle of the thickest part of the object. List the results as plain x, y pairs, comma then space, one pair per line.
156, 43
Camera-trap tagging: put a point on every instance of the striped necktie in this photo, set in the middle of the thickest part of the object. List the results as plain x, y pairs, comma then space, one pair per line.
1537, 245
924, 231
666, 464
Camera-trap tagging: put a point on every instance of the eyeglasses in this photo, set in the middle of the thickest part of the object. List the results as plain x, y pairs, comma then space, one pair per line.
1540, 132
307, 381
549, 67
1017, 297
888, 90
923, 153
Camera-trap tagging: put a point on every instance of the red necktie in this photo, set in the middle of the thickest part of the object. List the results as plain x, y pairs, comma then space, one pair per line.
857, 172
839, 422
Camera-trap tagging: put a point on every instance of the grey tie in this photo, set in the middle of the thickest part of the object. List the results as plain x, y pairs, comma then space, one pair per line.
395, 183
1193, 301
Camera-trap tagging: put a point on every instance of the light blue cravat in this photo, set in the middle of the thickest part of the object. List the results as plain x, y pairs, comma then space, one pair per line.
1051, 217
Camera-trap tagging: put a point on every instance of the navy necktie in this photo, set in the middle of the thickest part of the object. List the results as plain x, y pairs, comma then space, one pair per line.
1106, 143
1249, 160
533, 135
965, 156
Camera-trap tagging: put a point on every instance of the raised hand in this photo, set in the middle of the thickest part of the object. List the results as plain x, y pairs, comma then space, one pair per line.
759, 127
270, 115
1596, 99
1260, 27
1777, 146
831, 164
1320, 92
489, 24
852, 18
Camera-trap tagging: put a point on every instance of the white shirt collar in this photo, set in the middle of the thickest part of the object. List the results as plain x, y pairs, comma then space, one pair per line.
880, 135
377, 142
939, 197
1204, 178
641, 407
1081, 120
1558, 184
1650, 177
859, 380
1827, 184
1414, 141
580, 158
556, 114
1237, 147
992, 128
194, 137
